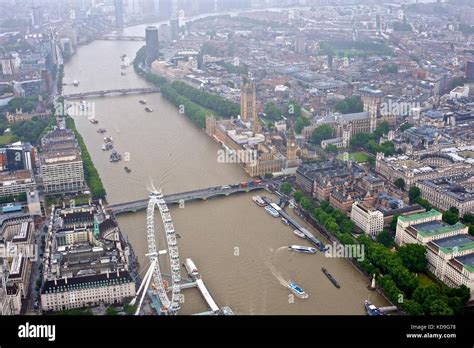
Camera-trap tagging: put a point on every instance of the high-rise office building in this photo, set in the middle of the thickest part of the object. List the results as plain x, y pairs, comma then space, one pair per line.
152, 44
300, 44
62, 171
36, 16
164, 35
469, 76
469, 70
174, 25
118, 13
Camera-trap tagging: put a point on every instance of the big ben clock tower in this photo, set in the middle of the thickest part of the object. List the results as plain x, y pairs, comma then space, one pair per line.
291, 146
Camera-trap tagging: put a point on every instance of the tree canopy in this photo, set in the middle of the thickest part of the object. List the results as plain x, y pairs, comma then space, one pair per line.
400, 282
111, 311
298, 195
273, 111
370, 142
400, 183
90, 172
393, 223
300, 123
332, 148
383, 128
349, 105
414, 257
321, 133
221, 106
424, 203
30, 131
26, 104
414, 193
451, 216
286, 188
468, 218
385, 238
293, 110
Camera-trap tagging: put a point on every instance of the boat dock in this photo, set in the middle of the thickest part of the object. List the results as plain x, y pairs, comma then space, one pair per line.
298, 227
388, 309
189, 284
207, 296
214, 308
223, 311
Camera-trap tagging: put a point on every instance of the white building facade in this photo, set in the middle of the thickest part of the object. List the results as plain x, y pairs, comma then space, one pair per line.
370, 221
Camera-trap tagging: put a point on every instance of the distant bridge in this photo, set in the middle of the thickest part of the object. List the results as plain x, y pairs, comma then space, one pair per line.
121, 38
134, 206
111, 92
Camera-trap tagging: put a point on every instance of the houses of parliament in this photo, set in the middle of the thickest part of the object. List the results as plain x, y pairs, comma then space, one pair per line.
258, 152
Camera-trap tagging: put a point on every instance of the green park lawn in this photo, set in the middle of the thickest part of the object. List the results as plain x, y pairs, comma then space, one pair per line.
7, 138
359, 157
425, 280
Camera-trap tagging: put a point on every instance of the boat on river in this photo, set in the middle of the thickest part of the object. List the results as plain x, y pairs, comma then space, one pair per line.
297, 290
371, 309
115, 156
330, 277
302, 249
272, 211
259, 201
299, 234
107, 146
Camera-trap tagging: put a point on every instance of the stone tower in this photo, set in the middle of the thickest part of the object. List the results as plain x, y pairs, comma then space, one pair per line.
291, 146
372, 100
248, 102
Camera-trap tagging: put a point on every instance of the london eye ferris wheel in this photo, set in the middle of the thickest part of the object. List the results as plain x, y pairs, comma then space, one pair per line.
170, 304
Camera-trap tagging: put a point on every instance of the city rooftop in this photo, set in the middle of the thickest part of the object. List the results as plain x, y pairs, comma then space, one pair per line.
457, 243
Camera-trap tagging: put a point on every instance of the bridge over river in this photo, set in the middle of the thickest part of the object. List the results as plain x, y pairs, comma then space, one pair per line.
134, 206
110, 92
121, 38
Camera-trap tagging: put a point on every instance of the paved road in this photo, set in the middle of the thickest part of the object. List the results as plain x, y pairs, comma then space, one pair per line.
32, 295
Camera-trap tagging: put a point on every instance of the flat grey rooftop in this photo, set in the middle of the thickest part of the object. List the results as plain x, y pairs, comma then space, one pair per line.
467, 260
454, 241
427, 226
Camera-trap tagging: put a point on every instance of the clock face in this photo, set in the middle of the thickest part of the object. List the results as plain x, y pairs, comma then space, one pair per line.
293, 145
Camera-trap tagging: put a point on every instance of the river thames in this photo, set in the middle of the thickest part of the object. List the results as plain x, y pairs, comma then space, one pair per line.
240, 250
